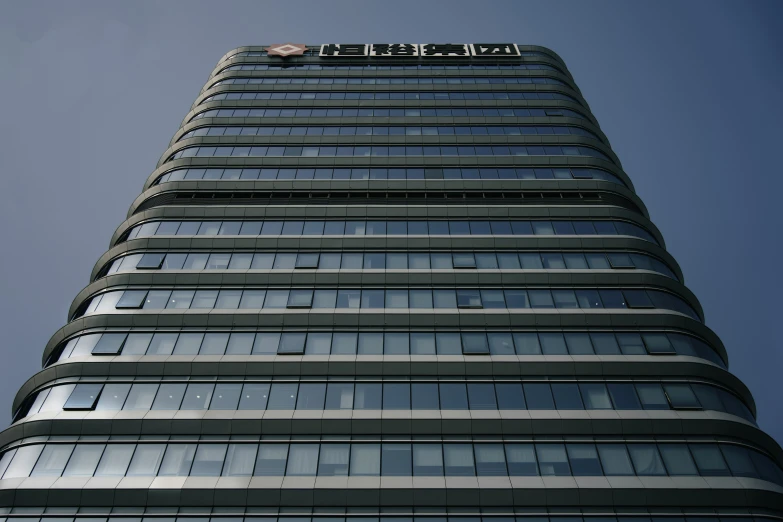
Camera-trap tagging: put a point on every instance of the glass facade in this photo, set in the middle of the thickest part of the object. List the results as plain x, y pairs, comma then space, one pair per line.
398, 289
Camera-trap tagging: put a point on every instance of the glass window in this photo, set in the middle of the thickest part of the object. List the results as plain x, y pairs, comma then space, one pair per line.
302, 460
109, 344
709, 459
552, 460
141, 397
240, 460
527, 344
652, 397
52, 461
553, 344
339, 396
474, 343
596, 396
396, 396
271, 460
624, 396
266, 343
318, 343
678, 459
197, 397
113, 396
368, 396
333, 460
538, 396
422, 343
365, 460
254, 396
681, 396
396, 460
500, 343
424, 396
282, 396
646, 459
114, 461
615, 460
178, 460
146, 460
510, 396
344, 343
83, 397
188, 344
169, 396
490, 460
427, 460
584, 460
567, 396
521, 460
481, 396
453, 396
226, 396
458, 459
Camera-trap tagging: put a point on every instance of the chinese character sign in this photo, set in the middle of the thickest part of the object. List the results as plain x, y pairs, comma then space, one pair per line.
422, 50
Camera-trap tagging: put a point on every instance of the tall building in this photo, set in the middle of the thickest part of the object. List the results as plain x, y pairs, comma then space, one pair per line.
379, 282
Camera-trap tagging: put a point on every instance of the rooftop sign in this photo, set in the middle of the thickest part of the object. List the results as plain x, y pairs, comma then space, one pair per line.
425, 50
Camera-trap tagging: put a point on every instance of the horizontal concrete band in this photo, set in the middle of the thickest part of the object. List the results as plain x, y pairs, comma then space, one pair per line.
298, 141
392, 491
371, 243
304, 319
414, 212
510, 423
389, 279
417, 121
598, 366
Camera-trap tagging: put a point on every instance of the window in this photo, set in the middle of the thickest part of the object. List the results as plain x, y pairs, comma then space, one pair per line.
83, 397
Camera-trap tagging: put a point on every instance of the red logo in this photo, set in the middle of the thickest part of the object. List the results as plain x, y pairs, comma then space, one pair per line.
286, 49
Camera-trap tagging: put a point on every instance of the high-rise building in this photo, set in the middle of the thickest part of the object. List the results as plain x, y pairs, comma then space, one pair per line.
376, 282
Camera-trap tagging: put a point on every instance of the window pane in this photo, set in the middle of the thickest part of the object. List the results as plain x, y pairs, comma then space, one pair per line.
271, 460
584, 460
226, 396
169, 396
646, 459
282, 396
678, 459
53, 459
596, 396
365, 460
424, 396
368, 396
490, 460
458, 459
146, 460
114, 461
333, 460
709, 459
311, 396
240, 460
140, 397
178, 460
538, 396
427, 460
396, 460
396, 396
552, 460
567, 396
254, 396
302, 460
615, 460
453, 396
481, 396
521, 459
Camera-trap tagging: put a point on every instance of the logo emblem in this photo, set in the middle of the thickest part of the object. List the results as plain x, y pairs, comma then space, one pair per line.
286, 49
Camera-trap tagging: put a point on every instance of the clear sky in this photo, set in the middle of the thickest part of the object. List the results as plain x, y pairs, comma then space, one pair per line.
689, 93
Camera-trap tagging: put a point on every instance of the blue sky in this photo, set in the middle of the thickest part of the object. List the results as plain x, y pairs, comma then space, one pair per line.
689, 94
